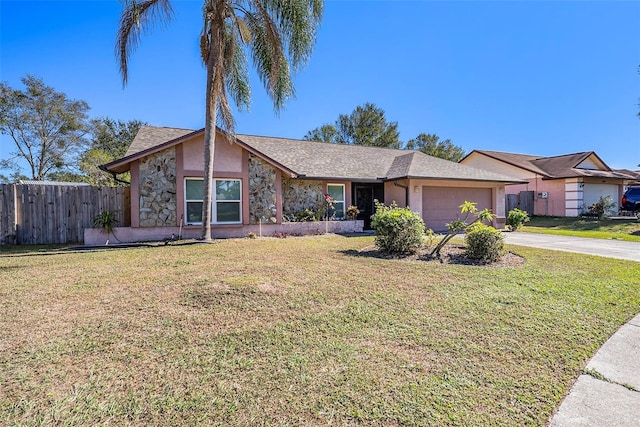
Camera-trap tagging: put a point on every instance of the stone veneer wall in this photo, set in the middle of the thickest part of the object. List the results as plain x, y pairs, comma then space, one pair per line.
262, 191
158, 189
300, 194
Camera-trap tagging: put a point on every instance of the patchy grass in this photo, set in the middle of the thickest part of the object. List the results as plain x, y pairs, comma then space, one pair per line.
298, 331
598, 229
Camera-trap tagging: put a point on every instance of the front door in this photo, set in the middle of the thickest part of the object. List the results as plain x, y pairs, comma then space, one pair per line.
363, 195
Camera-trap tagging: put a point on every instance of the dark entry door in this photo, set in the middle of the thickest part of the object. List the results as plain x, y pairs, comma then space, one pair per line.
363, 195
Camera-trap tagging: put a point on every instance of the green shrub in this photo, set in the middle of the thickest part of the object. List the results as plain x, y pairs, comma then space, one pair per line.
516, 218
484, 243
398, 230
306, 215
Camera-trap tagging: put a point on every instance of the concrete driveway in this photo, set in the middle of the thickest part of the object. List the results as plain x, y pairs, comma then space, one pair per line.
606, 248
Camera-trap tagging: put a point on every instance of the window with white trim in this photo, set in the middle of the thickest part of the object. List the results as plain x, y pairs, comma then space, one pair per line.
336, 192
226, 205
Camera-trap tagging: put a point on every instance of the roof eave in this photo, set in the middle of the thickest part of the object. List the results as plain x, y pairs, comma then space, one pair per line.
437, 178
537, 172
341, 178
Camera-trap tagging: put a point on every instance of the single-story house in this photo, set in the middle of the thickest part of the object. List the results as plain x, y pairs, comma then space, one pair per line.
564, 185
261, 182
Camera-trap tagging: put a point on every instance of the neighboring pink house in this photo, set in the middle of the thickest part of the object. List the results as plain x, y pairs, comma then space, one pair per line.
563, 185
262, 182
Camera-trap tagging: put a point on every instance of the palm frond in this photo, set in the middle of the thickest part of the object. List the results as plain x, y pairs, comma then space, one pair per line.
138, 17
298, 21
236, 65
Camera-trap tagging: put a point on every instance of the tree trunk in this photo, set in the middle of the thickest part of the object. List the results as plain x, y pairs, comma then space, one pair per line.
209, 150
214, 89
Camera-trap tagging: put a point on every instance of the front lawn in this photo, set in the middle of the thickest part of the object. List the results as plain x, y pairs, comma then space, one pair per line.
298, 331
621, 229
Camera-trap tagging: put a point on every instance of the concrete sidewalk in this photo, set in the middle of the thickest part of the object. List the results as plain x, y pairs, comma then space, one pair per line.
608, 395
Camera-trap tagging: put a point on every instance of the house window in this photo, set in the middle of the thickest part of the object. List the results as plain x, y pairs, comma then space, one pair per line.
336, 192
226, 204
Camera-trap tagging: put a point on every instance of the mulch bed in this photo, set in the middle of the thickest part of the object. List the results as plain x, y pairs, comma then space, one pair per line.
450, 254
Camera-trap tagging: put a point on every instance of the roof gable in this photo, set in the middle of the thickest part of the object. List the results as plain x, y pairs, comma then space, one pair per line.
583, 164
148, 137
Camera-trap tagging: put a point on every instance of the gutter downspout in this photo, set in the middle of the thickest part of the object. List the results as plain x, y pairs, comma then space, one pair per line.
121, 181
406, 192
114, 175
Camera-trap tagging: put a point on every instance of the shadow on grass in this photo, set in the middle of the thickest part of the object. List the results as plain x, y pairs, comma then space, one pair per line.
44, 250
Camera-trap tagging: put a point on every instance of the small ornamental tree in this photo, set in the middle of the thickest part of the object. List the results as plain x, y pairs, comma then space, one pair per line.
398, 230
460, 225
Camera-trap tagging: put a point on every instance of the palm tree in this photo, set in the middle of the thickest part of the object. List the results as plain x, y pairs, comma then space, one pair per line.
278, 34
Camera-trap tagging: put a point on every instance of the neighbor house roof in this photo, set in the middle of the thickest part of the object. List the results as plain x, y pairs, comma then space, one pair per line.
318, 160
563, 166
56, 183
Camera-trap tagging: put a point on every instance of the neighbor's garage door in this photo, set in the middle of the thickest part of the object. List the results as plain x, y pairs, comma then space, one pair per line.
593, 192
442, 205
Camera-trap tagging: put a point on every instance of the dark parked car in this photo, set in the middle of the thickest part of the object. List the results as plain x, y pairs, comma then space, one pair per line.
631, 199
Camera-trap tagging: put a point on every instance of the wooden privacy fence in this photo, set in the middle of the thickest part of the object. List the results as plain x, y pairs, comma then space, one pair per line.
47, 214
522, 201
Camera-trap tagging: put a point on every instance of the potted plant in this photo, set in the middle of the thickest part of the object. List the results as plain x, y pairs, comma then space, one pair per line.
105, 220
352, 212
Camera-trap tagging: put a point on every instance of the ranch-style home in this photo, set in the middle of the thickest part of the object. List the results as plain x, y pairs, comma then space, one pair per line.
564, 185
261, 183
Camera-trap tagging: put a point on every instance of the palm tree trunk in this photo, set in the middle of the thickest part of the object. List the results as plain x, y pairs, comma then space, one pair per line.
209, 151
213, 91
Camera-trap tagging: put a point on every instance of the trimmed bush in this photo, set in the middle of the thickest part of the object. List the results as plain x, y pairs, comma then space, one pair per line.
398, 230
484, 243
516, 218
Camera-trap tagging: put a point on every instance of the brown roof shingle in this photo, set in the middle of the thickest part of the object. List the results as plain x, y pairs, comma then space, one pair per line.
563, 166
320, 160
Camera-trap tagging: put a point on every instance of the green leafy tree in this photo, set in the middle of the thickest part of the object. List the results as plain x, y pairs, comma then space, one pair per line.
325, 133
89, 164
366, 125
278, 35
67, 175
432, 145
110, 140
12, 178
47, 127
113, 136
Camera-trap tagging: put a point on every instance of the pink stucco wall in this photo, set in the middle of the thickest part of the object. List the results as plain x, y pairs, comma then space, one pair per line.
396, 193
554, 205
227, 157
94, 236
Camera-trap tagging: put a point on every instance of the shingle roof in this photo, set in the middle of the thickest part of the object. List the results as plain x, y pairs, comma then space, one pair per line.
320, 160
563, 166
151, 136
356, 162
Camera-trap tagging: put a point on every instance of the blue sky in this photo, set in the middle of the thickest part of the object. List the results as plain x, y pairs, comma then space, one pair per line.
533, 77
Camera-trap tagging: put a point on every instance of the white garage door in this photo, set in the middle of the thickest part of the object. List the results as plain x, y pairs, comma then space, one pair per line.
593, 192
441, 205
